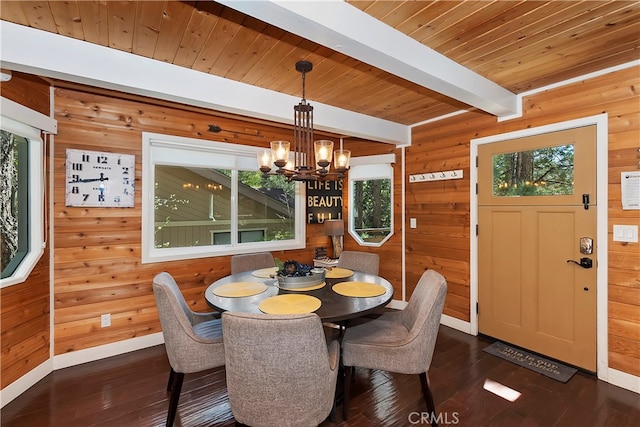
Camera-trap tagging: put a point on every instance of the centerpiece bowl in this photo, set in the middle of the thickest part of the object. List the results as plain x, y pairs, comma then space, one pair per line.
293, 275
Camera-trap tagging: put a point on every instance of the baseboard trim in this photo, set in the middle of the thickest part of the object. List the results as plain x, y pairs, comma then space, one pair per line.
397, 304
455, 323
106, 350
25, 382
624, 380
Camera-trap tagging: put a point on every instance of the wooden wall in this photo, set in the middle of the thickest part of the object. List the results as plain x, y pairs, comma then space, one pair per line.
24, 307
97, 254
442, 207
391, 251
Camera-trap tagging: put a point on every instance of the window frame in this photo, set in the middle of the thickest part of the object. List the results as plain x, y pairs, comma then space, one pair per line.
370, 168
18, 125
173, 150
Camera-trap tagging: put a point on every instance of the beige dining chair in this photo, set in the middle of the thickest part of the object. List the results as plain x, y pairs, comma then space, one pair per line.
280, 370
402, 341
193, 340
366, 262
249, 262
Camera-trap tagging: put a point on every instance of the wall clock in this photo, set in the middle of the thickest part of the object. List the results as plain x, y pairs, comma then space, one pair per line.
102, 179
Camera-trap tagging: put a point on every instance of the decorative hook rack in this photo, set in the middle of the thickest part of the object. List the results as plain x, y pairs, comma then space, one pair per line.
436, 176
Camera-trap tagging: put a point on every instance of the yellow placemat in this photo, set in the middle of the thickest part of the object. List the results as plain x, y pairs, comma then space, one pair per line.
240, 289
265, 272
338, 273
290, 304
308, 288
358, 289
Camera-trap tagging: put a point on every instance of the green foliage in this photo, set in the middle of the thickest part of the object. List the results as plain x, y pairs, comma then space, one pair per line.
372, 203
540, 172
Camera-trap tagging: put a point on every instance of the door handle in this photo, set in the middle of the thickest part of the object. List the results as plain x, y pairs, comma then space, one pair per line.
584, 262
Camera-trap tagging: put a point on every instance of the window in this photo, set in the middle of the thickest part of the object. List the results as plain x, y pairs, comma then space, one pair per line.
544, 171
21, 196
371, 200
203, 198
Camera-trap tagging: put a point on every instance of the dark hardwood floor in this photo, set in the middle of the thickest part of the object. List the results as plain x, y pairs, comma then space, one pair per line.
129, 390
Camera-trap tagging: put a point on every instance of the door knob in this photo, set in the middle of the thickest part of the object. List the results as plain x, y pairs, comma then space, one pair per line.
584, 262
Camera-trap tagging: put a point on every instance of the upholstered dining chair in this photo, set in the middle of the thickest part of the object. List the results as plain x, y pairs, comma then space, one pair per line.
360, 261
247, 262
193, 340
402, 341
280, 370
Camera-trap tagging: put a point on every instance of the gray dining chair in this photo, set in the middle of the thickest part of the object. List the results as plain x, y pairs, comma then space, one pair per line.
366, 262
193, 341
249, 262
401, 341
280, 369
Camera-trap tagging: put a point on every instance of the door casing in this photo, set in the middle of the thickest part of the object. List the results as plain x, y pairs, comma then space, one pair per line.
601, 122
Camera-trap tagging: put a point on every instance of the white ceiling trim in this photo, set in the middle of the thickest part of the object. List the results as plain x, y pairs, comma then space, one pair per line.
346, 29
47, 54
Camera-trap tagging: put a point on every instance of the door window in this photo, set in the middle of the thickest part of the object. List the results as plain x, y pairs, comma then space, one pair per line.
544, 171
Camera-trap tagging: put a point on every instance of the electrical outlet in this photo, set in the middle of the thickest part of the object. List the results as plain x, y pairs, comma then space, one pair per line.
105, 320
413, 223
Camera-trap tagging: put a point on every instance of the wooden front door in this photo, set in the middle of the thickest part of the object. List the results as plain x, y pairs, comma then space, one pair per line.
536, 211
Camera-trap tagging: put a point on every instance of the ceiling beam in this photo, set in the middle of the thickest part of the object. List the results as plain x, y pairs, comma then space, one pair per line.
51, 55
346, 29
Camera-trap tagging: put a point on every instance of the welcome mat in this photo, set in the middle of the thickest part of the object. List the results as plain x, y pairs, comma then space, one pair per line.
531, 361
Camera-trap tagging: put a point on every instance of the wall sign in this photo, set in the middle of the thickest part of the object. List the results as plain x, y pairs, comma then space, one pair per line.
324, 201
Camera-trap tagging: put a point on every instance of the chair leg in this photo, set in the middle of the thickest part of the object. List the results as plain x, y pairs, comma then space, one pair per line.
175, 397
346, 390
428, 398
171, 379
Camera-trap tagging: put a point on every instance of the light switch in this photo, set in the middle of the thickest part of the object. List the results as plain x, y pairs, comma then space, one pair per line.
413, 223
625, 233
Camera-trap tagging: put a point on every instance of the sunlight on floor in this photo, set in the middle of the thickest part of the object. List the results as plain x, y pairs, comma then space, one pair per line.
501, 390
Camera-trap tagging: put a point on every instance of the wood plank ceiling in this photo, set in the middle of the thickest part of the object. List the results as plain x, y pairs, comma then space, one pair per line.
520, 45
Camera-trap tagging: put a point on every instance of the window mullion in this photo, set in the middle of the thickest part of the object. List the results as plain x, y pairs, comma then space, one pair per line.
234, 207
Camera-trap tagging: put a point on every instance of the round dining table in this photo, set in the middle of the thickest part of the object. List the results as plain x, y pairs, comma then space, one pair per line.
334, 307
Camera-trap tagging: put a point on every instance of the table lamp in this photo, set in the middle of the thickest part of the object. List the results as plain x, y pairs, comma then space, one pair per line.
335, 229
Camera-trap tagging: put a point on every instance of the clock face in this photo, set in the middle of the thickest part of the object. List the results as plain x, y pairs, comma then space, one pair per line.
100, 179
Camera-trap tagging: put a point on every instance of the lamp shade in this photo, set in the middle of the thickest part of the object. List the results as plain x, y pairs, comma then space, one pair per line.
334, 227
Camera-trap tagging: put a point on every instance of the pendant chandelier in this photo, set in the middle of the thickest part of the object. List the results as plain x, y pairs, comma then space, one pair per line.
298, 164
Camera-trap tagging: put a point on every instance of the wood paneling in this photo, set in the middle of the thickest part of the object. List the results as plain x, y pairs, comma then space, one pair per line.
28, 90
97, 266
391, 251
25, 307
442, 208
97, 261
519, 45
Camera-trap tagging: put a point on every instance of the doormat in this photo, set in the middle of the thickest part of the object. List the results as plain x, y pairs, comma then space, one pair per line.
531, 361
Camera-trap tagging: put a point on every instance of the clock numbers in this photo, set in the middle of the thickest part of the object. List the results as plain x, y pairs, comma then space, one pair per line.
100, 179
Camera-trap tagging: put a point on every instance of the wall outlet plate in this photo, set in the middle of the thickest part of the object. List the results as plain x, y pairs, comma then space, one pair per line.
105, 320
